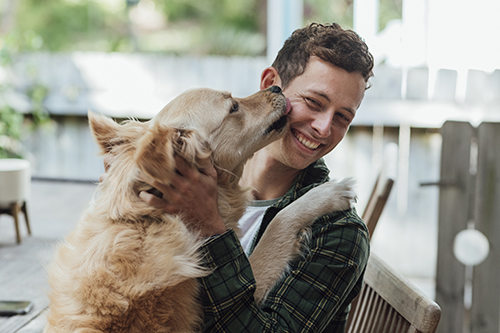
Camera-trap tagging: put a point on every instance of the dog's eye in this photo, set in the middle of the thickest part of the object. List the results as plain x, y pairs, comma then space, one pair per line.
234, 107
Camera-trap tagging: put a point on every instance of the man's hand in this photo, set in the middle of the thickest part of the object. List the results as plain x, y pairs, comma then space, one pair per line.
193, 194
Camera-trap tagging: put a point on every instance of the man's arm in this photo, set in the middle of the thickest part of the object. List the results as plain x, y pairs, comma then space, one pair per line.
318, 287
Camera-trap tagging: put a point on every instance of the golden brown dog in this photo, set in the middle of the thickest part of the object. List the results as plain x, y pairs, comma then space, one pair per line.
129, 267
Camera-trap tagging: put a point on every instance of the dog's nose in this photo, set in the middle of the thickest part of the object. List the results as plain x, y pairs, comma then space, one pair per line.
275, 89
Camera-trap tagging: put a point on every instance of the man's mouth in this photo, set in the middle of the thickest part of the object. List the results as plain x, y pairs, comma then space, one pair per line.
304, 141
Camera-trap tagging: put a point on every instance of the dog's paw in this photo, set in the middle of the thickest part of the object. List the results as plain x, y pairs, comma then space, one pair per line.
333, 195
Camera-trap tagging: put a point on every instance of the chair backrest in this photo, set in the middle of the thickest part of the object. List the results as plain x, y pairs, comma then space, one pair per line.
382, 188
389, 303
378, 199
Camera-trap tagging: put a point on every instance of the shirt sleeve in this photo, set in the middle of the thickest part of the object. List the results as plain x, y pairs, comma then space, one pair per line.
317, 290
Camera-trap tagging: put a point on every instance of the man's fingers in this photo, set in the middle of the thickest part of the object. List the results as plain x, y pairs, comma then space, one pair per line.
207, 168
163, 188
156, 202
181, 166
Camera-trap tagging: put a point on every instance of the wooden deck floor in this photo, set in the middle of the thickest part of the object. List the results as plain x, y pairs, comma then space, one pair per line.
54, 209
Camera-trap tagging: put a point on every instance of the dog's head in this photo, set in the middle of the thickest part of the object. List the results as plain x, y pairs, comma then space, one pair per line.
197, 124
233, 128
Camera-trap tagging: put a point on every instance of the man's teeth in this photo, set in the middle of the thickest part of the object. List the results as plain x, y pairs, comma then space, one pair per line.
305, 142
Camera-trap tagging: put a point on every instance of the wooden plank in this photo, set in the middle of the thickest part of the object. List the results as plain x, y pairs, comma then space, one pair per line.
36, 325
477, 87
22, 277
417, 84
386, 84
454, 202
446, 84
409, 301
494, 87
486, 280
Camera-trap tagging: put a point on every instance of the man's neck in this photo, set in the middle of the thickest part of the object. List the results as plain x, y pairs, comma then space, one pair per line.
268, 177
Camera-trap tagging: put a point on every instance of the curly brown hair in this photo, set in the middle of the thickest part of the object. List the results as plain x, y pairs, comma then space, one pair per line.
330, 43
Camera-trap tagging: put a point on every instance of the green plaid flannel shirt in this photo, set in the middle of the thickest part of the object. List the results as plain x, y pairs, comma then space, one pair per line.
315, 295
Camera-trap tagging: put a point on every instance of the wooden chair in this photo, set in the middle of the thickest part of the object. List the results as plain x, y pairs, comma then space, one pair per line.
382, 188
389, 303
378, 199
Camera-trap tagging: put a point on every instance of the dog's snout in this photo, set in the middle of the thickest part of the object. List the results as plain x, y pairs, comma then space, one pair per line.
275, 89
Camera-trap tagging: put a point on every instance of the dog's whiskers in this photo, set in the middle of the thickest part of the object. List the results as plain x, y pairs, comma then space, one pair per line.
223, 170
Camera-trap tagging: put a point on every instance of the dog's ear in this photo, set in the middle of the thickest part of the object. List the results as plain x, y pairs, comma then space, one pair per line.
108, 134
104, 130
155, 153
156, 149
190, 146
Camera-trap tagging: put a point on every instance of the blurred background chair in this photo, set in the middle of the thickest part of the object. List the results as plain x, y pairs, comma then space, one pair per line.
382, 188
15, 182
378, 199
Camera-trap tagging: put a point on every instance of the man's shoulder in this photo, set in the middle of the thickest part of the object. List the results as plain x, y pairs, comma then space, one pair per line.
342, 230
348, 217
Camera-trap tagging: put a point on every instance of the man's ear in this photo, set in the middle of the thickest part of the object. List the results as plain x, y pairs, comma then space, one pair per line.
269, 77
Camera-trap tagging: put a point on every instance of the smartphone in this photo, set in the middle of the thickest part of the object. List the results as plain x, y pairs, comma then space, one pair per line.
12, 308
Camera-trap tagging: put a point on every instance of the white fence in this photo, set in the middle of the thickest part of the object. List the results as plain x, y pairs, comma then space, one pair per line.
399, 108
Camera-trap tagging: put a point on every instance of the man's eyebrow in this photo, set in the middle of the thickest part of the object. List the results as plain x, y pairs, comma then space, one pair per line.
325, 96
319, 93
351, 111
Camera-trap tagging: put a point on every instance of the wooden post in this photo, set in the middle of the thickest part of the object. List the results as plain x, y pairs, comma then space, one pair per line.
485, 308
454, 202
283, 17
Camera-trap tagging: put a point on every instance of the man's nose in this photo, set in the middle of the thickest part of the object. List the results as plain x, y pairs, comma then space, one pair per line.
322, 124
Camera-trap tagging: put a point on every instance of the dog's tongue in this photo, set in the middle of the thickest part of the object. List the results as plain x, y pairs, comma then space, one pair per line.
288, 106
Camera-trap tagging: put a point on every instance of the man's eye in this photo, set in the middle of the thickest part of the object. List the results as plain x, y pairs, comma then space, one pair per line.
312, 103
234, 107
343, 117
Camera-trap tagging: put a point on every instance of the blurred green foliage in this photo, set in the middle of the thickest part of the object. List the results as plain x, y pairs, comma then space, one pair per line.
223, 27
63, 25
339, 11
242, 15
92, 25
199, 27
389, 10
13, 123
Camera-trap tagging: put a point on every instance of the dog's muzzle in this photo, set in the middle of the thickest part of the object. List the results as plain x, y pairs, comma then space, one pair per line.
277, 125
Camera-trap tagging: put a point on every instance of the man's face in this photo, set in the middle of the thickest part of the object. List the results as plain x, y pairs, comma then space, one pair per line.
324, 101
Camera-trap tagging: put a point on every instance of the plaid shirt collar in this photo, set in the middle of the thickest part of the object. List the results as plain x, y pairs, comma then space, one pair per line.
312, 176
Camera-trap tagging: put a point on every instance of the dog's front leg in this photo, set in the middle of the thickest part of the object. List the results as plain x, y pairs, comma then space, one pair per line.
280, 242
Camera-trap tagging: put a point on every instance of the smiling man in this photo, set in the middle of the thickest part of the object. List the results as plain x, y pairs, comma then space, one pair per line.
324, 72
324, 101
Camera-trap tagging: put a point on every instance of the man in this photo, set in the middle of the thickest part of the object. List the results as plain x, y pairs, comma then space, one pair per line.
324, 71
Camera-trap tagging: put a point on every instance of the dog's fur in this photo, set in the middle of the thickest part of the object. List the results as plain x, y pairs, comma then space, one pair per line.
129, 267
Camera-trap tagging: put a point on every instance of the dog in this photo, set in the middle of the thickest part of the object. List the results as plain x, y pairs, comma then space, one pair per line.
129, 267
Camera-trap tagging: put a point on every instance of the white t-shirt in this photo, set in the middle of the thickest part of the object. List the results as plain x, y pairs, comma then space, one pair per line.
252, 219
